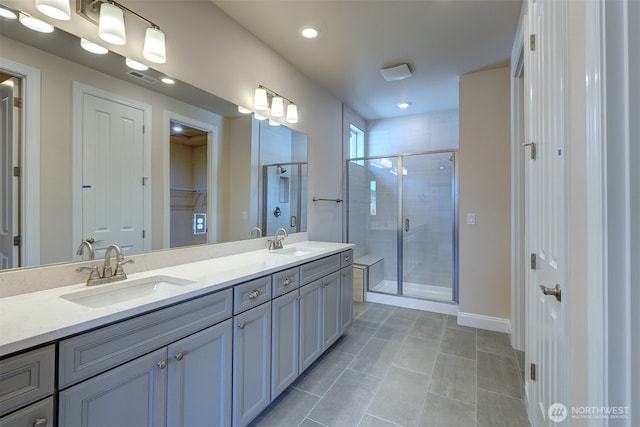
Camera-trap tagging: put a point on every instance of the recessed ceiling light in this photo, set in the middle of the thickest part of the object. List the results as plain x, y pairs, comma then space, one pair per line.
177, 128
404, 105
5, 12
35, 24
309, 31
93, 47
167, 80
135, 65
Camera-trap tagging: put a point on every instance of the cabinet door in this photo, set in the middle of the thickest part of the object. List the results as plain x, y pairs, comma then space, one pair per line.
311, 323
251, 363
346, 298
285, 321
331, 309
199, 385
133, 394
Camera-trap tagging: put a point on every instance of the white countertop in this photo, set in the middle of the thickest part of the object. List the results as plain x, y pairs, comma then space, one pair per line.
40, 317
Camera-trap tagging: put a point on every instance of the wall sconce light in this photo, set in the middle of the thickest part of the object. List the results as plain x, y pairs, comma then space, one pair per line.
264, 97
109, 15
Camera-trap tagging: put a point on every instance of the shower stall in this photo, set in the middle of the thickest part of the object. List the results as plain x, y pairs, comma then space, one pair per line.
284, 191
402, 216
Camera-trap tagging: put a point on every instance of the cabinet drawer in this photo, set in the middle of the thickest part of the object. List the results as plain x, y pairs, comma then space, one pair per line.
346, 258
26, 378
38, 414
251, 294
319, 268
93, 352
285, 281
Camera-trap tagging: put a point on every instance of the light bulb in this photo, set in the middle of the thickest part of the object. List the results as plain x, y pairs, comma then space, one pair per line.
277, 106
260, 99
292, 113
135, 65
154, 46
56, 9
93, 47
35, 24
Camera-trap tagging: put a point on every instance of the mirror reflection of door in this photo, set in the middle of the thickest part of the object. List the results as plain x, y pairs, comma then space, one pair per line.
10, 106
189, 221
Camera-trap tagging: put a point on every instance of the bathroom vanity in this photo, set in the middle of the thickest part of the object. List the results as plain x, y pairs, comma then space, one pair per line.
206, 343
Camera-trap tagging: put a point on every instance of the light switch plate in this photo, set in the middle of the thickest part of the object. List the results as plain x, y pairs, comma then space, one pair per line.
471, 219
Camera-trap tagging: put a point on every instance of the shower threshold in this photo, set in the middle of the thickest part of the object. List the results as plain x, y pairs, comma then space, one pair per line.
415, 290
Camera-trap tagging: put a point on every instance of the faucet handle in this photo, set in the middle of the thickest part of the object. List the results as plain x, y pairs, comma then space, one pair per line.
120, 270
94, 276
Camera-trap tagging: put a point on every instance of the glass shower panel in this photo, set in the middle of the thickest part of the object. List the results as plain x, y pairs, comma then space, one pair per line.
284, 190
373, 219
428, 211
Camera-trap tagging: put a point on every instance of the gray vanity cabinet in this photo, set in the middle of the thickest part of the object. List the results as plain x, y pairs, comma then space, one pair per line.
330, 309
199, 378
311, 323
132, 394
251, 363
346, 298
285, 323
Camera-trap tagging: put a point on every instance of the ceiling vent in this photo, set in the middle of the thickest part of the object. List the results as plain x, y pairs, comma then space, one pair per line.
398, 72
144, 77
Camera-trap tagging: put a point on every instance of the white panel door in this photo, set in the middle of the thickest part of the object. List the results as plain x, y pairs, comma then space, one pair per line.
548, 212
9, 202
112, 174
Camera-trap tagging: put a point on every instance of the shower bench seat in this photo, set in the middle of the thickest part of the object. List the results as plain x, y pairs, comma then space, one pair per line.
368, 271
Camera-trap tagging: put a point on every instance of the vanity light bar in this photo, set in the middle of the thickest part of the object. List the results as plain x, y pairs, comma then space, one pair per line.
265, 97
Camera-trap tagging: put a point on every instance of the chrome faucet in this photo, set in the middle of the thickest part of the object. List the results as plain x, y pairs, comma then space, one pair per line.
86, 244
258, 231
277, 243
107, 276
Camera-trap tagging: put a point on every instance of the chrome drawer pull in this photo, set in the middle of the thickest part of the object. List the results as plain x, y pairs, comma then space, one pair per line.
286, 282
347, 258
241, 325
254, 294
40, 422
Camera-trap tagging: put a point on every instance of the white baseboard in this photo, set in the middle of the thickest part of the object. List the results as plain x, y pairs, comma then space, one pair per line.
479, 321
418, 304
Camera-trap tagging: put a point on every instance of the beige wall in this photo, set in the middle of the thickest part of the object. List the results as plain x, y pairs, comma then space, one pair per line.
484, 165
209, 50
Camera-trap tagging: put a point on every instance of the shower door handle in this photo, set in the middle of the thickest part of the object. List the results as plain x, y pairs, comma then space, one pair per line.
293, 222
406, 225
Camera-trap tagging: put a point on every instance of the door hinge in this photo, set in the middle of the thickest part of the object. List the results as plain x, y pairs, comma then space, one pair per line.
17, 171
534, 150
532, 371
532, 42
17, 240
17, 102
534, 261
143, 234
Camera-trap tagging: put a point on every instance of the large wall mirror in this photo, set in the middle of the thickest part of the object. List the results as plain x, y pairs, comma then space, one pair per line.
127, 159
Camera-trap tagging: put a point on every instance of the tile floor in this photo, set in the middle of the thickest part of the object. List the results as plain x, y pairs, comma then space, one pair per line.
403, 367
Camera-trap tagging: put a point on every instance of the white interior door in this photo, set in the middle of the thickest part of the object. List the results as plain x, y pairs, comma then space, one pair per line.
548, 213
112, 174
9, 192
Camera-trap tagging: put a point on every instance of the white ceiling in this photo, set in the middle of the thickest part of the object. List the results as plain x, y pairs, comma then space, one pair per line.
439, 39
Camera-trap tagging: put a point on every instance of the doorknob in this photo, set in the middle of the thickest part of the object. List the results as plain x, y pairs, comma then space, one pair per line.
552, 291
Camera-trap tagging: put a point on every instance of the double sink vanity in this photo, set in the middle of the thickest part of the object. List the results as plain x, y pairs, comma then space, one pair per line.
211, 342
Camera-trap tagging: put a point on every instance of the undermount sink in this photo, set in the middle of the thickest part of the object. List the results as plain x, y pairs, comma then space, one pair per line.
104, 295
297, 251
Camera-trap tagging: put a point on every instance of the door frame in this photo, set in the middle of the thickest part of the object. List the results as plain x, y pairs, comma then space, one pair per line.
30, 163
213, 143
79, 90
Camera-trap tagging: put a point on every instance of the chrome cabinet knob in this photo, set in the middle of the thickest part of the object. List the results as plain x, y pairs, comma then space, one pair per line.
162, 364
286, 282
180, 356
555, 291
254, 294
40, 422
241, 325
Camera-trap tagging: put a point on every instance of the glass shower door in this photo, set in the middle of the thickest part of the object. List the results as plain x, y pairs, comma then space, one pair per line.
428, 212
373, 220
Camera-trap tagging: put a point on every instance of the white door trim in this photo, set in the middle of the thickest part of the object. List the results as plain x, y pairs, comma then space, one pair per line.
518, 248
30, 192
213, 143
596, 206
79, 90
